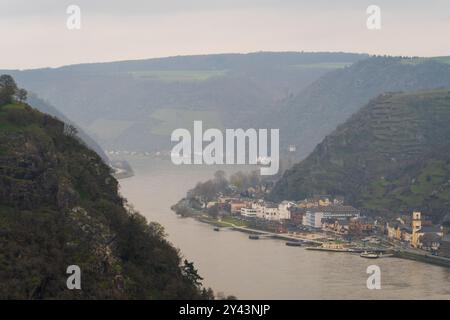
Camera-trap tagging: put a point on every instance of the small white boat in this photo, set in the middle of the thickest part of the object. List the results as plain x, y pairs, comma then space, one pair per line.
369, 255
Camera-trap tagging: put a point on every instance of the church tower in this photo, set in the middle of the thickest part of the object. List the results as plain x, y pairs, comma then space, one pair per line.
416, 225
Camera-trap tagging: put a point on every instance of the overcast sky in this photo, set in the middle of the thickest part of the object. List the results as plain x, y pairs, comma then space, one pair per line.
34, 33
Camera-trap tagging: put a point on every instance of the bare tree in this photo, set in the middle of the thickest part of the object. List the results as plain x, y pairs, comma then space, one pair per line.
21, 95
70, 130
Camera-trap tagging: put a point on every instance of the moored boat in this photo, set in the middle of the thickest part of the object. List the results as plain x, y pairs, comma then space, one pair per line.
294, 243
369, 255
332, 247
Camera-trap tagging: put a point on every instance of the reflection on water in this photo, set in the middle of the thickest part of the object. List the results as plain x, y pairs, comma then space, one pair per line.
267, 269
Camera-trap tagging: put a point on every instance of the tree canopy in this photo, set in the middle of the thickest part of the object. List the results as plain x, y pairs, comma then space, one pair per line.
9, 92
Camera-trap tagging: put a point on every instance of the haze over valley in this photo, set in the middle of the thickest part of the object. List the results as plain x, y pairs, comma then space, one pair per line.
224, 150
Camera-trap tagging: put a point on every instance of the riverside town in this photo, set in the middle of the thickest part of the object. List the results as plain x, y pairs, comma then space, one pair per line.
320, 222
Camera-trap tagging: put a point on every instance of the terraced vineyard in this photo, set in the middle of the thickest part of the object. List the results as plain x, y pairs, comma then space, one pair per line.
392, 156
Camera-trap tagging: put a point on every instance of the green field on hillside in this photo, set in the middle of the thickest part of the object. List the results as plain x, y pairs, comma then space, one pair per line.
445, 59
179, 75
323, 65
418, 60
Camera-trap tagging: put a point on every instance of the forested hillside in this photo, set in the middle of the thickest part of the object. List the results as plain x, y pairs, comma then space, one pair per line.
318, 109
59, 206
393, 156
135, 105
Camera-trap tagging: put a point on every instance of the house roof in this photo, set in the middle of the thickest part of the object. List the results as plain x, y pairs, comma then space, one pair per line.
430, 237
335, 209
446, 221
328, 220
393, 223
398, 225
430, 229
405, 227
366, 219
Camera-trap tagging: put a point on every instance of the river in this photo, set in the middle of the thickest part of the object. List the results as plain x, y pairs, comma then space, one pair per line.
268, 269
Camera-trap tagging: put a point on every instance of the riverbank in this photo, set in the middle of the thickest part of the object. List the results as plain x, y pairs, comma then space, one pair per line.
388, 252
121, 169
297, 273
244, 228
426, 258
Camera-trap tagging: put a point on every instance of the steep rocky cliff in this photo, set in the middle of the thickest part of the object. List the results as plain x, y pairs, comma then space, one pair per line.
59, 206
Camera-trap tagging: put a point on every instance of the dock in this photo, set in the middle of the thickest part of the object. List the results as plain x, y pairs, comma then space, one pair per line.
267, 234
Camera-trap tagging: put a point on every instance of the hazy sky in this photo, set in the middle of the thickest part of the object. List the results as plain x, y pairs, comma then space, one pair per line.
34, 33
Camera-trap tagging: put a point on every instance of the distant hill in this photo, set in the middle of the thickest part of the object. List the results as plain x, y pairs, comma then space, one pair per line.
316, 111
135, 105
45, 107
392, 156
59, 206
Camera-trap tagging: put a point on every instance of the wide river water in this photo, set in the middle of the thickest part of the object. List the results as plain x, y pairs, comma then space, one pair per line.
268, 269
